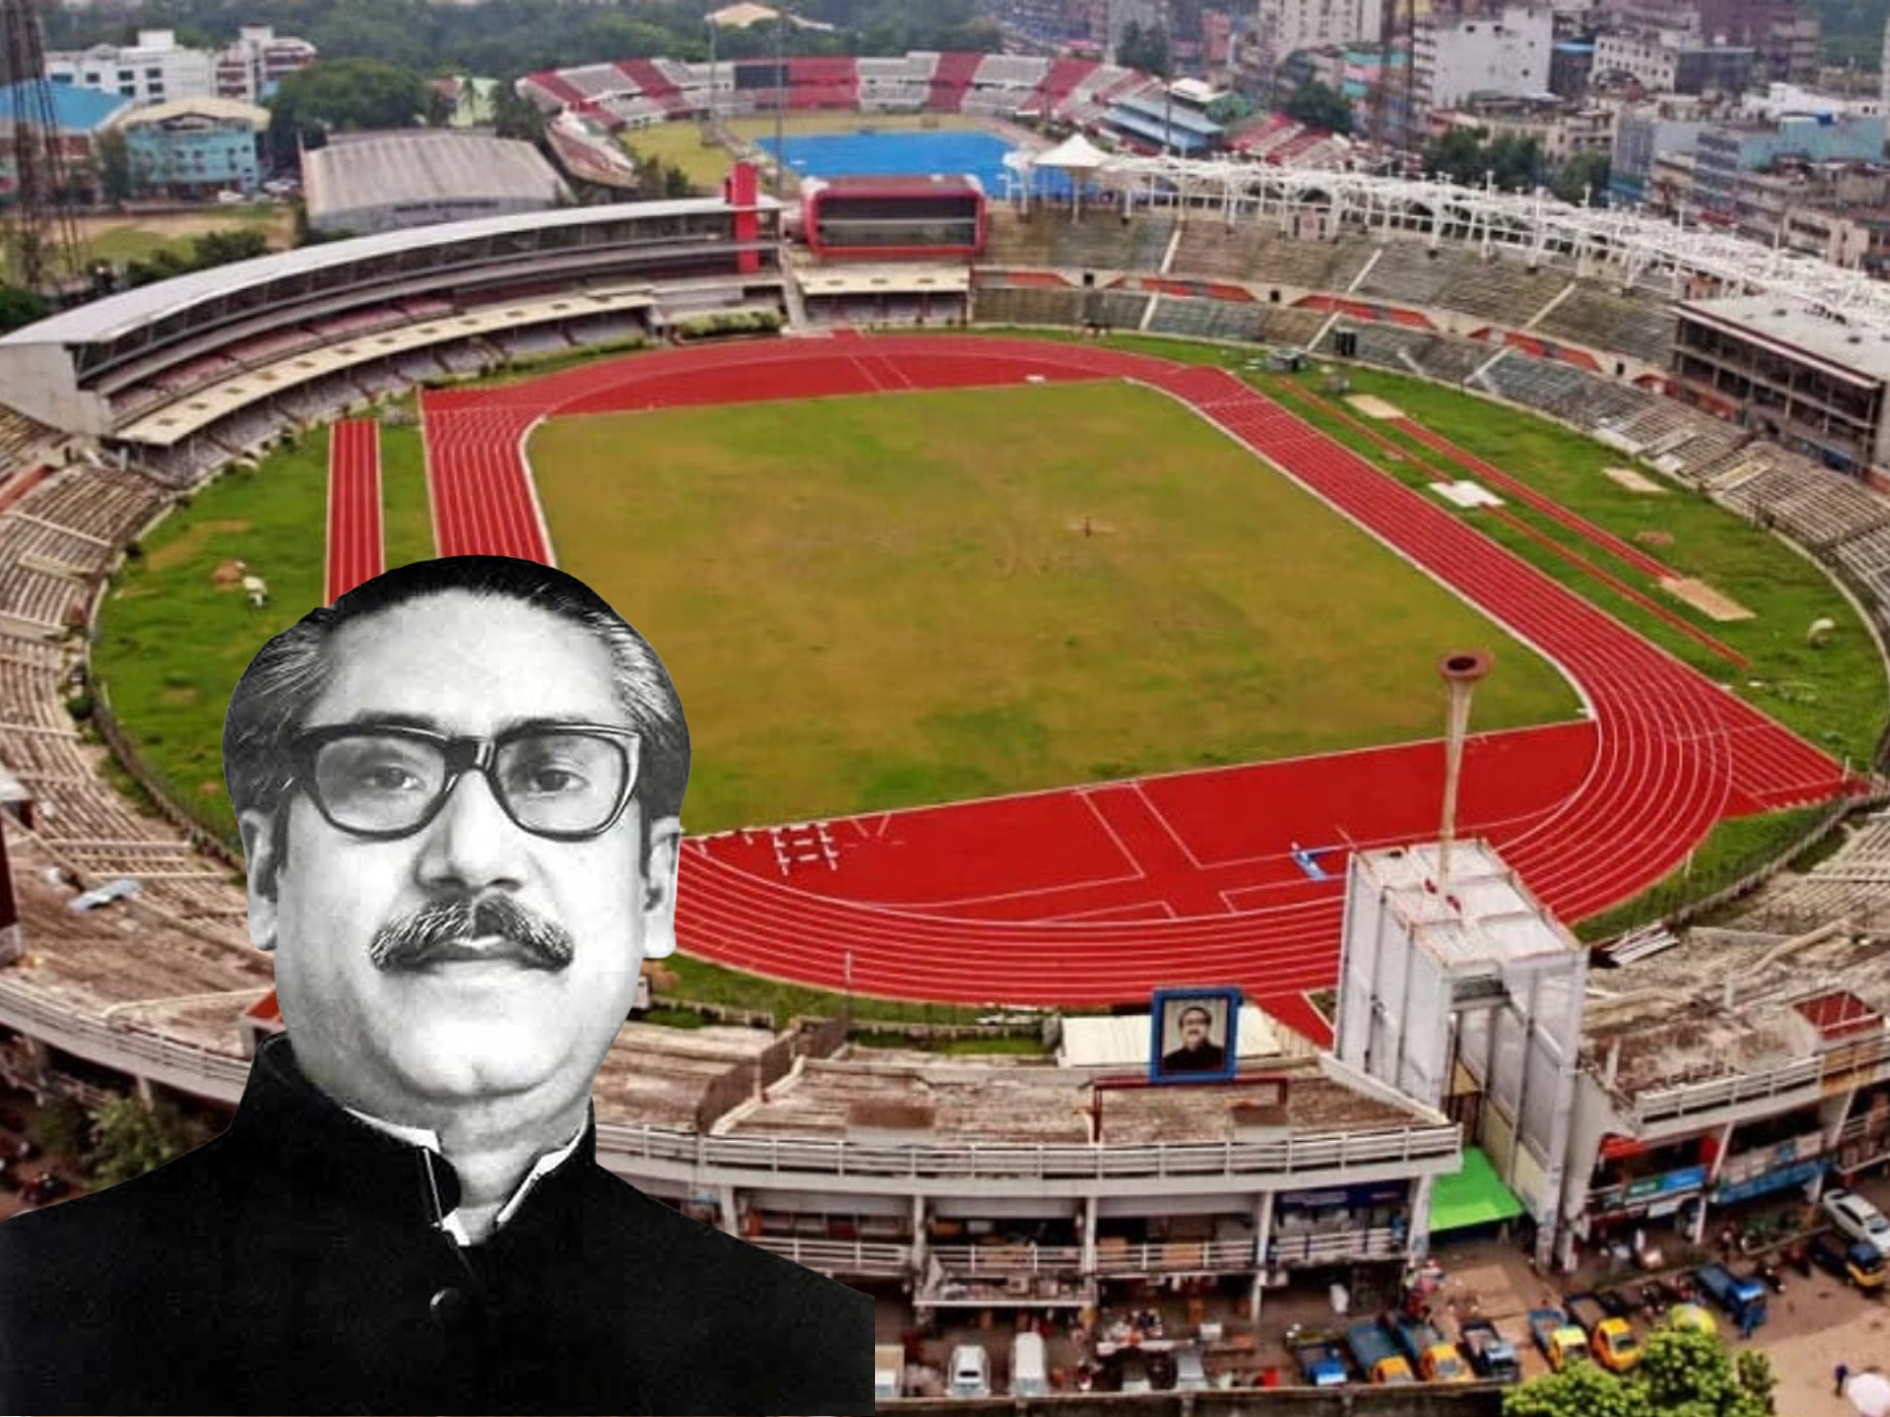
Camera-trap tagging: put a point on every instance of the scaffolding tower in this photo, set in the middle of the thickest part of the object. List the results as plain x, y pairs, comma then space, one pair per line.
38, 233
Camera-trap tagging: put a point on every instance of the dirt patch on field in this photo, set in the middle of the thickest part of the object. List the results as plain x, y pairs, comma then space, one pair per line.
178, 696
1703, 598
1634, 481
187, 545
181, 226
1659, 540
1374, 407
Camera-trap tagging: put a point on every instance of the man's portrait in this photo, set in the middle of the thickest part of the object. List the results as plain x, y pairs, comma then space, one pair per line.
1193, 1034
459, 791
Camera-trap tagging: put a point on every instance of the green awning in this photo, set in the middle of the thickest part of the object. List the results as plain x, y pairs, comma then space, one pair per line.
1473, 1196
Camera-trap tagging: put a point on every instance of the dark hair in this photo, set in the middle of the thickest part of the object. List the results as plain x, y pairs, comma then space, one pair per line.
1207, 1015
271, 701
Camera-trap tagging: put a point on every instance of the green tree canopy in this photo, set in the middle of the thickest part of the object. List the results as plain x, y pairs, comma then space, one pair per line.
1468, 155
341, 94
1585, 173
129, 1139
1318, 105
1143, 48
1682, 1373
20, 307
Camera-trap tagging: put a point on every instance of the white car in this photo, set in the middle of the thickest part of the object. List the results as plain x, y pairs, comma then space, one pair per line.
1858, 1218
970, 1371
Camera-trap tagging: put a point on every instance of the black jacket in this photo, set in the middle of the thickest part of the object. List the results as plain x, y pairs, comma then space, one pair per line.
292, 1265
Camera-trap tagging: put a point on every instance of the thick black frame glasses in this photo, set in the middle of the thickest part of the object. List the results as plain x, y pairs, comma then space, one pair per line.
315, 762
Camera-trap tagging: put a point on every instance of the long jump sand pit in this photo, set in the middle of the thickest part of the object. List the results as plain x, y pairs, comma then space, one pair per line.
1374, 407
1634, 481
1705, 599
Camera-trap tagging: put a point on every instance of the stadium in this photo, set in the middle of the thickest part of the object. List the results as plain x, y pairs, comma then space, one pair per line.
963, 1184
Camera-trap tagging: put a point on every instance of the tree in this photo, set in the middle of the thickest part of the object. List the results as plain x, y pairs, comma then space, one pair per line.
1465, 156
1319, 105
114, 164
1682, 1373
1143, 49
20, 307
1583, 173
129, 1139
340, 94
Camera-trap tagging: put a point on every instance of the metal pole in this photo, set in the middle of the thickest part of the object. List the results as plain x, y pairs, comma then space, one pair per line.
780, 101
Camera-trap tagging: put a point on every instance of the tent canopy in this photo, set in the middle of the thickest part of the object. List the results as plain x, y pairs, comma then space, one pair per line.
1074, 154
1473, 1196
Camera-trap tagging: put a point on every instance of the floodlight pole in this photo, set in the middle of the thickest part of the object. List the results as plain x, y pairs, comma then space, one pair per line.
780, 100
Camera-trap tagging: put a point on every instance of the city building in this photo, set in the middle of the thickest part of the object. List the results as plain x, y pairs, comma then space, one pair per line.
1724, 151
376, 182
1672, 61
80, 115
1280, 30
259, 60
195, 147
1723, 1071
157, 69
1457, 54
1811, 381
1646, 132
1560, 130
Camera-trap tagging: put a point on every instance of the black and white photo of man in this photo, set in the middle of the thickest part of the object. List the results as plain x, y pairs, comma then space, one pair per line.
1198, 1051
459, 791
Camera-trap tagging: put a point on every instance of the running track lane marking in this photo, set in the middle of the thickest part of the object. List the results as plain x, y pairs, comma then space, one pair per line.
356, 546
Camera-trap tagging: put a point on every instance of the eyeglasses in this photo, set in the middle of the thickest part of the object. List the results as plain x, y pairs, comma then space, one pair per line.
566, 781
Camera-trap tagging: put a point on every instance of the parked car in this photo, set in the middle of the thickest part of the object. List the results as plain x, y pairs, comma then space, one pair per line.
970, 1371
1857, 1218
1854, 1260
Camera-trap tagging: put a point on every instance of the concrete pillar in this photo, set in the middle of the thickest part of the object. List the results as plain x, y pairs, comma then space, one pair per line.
1089, 1237
146, 1096
1417, 1240
1262, 1241
918, 1242
725, 1209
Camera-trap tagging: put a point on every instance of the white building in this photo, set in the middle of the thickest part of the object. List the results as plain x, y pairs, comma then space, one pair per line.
158, 70
154, 70
1282, 29
1507, 52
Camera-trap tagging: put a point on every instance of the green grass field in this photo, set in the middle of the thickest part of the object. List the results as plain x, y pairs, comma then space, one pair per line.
168, 689
866, 608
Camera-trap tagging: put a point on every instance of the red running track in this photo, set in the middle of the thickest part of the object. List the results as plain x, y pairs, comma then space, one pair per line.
354, 505
1100, 893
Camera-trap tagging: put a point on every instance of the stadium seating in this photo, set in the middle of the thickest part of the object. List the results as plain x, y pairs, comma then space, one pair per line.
1410, 273
1498, 289
1028, 306
1209, 319
1602, 319
1210, 247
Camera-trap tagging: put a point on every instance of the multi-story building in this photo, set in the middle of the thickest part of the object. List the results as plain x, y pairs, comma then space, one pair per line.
78, 114
1806, 379
1281, 30
1672, 61
1646, 132
1785, 33
1560, 130
193, 147
153, 70
259, 60
1506, 51
1720, 1073
157, 69
1723, 151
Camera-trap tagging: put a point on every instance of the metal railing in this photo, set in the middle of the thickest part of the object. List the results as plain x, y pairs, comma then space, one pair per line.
840, 1256
968, 1261
1328, 1151
1176, 1257
1801, 1074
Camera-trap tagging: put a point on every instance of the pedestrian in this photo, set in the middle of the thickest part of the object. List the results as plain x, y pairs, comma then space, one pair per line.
1840, 1373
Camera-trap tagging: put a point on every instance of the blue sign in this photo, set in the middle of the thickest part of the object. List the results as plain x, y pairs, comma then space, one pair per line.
1194, 1034
1794, 1175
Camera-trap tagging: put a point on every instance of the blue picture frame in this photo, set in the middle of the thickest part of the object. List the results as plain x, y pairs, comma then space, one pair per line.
1186, 1048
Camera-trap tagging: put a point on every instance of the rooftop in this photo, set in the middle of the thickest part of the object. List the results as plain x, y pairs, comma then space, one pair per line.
75, 109
424, 166
1482, 913
1725, 1002
1861, 348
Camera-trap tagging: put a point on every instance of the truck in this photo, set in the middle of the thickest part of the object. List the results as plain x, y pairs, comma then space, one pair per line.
1610, 1339
1561, 1341
1853, 1260
1377, 1359
1321, 1361
1435, 1357
1491, 1355
1742, 1299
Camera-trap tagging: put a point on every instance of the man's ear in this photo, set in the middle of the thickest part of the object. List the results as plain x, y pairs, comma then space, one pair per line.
261, 857
659, 888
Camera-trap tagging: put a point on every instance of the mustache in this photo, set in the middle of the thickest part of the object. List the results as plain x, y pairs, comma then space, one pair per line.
433, 931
